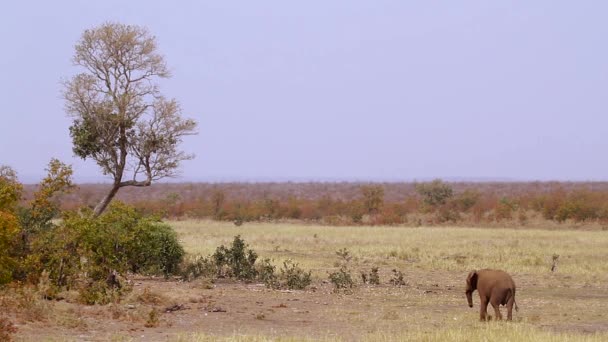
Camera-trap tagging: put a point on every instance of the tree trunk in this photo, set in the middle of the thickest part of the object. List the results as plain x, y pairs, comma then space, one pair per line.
103, 204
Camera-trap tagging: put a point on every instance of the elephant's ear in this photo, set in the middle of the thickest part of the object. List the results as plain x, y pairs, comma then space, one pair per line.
472, 280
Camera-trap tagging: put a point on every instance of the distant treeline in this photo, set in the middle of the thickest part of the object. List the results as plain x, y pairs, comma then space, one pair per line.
429, 203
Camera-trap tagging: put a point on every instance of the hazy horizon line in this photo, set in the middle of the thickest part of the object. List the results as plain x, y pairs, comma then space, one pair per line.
353, 180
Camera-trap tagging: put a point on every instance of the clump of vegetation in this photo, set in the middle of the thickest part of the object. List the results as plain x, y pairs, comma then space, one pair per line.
266, 273
85, 252
197, 266
7, 329
120, 241
397, 278
152, 320
344, 255
342, 279
10, 227
373, 278
98, 292
150, 297
434, 193
239, 262
236, 261
373, 198
293, 277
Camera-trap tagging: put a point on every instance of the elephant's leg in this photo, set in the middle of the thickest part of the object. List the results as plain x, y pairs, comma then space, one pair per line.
483, 308
510, 303
496, 306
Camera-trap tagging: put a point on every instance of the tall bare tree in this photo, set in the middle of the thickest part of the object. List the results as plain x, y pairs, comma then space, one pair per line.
120, 118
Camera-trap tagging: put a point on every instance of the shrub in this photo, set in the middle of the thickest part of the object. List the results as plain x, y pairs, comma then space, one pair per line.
373, 198
341, 279
197, 266
10, 193
88, 252
373, 278
344, 255
467, 200
237, 261
266, 273
10, 189
98, 292
434, 193
445, 214
7, 328
9, 230
154, 248
504, 209
152, 320
397, 279
293, 277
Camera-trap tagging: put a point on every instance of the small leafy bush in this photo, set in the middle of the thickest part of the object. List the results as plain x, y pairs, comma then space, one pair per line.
373, 278
341, 279
266, 273
93, 254
98, 292
434, 193
344, 255
397, 279
237, 261
293, 277
153, 319
198, 266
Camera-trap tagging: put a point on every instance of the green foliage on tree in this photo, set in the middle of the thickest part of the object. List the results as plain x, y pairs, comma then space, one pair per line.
434, 193
120, 118
373, 198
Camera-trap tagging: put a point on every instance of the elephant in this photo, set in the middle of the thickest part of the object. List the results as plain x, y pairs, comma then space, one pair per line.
495, 287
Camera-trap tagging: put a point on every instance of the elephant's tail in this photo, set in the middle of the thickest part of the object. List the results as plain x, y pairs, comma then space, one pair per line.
513, 298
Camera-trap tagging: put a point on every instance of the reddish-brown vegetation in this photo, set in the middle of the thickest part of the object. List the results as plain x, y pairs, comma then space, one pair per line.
364, 203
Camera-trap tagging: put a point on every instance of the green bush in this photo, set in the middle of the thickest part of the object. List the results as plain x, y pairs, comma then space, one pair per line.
266, 273
198, 266
98, 292
10, 229
293, 277
341, 279
155, 249
237, 261
119, 241
434, 193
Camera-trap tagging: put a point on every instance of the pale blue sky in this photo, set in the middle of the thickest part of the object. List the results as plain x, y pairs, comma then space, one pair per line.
337, 90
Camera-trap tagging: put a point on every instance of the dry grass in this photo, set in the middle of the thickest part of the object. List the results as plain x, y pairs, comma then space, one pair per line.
565, 305
481, 332
435, 260
582, 253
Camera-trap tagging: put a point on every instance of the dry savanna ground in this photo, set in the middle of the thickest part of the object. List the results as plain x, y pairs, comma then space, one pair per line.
568, 304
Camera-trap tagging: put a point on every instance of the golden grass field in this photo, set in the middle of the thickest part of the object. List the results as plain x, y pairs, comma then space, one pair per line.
566, 305
583, 254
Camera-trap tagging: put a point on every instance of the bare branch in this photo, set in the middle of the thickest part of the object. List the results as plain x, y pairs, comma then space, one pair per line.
120, 118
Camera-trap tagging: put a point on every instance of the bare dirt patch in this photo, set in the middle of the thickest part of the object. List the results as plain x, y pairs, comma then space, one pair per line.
430, 301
